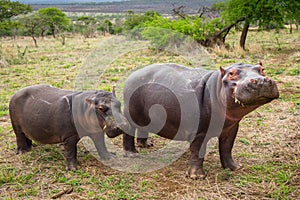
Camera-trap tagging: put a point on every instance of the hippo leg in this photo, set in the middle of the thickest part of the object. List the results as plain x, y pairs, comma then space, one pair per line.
100, 145
70, 146
128, 144
142, 137
226, 141
195, 170
23, 143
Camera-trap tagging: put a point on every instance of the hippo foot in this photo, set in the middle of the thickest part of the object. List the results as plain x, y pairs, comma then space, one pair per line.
232, 166
23, 150
107, 155
195, 172
146, 144
236, 167
130, 154
72, 166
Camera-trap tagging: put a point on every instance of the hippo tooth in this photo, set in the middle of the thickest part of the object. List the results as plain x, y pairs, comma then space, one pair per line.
236, 100
239, 102
104, 127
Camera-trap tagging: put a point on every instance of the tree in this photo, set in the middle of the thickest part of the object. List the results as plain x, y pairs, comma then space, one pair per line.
9, 9
55, 19
108, 26
134, 20
291, 12
203, 30
259, 12
86, 25
32, 23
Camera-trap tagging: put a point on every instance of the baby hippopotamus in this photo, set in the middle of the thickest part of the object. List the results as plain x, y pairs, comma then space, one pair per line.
194, 105
50, 115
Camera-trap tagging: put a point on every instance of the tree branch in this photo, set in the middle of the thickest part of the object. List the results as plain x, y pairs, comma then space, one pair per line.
179, 11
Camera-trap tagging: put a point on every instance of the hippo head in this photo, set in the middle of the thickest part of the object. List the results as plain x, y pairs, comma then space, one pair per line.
108, 112
247, 86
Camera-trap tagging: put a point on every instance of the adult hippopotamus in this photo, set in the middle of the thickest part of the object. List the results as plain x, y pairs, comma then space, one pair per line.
194, 104
50, 115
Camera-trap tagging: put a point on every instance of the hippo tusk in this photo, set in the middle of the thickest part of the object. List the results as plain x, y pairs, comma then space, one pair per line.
235, 99
104, 127
239, 102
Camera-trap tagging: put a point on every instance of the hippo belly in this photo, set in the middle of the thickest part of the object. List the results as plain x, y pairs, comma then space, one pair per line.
43, 118
161, 99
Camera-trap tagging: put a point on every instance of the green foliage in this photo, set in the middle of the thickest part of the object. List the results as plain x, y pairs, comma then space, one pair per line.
162, 31
266, 14
136, 20
86, 25
9, 28
31, 23
261, 12
9, 9
218, 6
291, 10
54, 19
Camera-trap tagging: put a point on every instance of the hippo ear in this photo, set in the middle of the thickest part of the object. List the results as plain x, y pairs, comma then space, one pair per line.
114, 92
91, 100
222, 71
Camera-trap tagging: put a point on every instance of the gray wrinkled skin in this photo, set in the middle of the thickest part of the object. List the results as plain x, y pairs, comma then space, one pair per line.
180, 103
49, 115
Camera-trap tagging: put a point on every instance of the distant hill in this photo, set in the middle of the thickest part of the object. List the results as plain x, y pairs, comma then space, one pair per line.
121, 6
65, 1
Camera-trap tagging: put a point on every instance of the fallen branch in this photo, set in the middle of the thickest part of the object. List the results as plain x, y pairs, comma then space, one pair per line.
66, 191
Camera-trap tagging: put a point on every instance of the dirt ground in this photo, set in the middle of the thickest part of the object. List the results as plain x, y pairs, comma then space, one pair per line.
267, 145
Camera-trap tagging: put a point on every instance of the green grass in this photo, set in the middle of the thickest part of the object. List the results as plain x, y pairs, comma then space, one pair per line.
266, 144
244, 141
270, 173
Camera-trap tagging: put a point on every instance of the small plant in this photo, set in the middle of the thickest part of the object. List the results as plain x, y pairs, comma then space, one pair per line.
244, 141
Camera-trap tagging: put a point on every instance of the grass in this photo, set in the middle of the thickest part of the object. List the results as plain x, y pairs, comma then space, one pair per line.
267, 143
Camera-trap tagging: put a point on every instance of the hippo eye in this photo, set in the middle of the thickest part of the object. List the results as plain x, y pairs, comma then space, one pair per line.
102, 108
231, 73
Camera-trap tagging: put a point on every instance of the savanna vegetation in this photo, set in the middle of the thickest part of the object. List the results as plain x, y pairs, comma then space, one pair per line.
267, 145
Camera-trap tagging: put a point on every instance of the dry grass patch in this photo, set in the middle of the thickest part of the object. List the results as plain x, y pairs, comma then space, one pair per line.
267, 143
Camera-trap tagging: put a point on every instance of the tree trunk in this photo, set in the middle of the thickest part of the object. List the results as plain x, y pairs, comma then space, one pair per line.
35, 42
15, 33
53, 31
291, 28
32, 35
63, 39
244, 34
43, 33
221, 35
